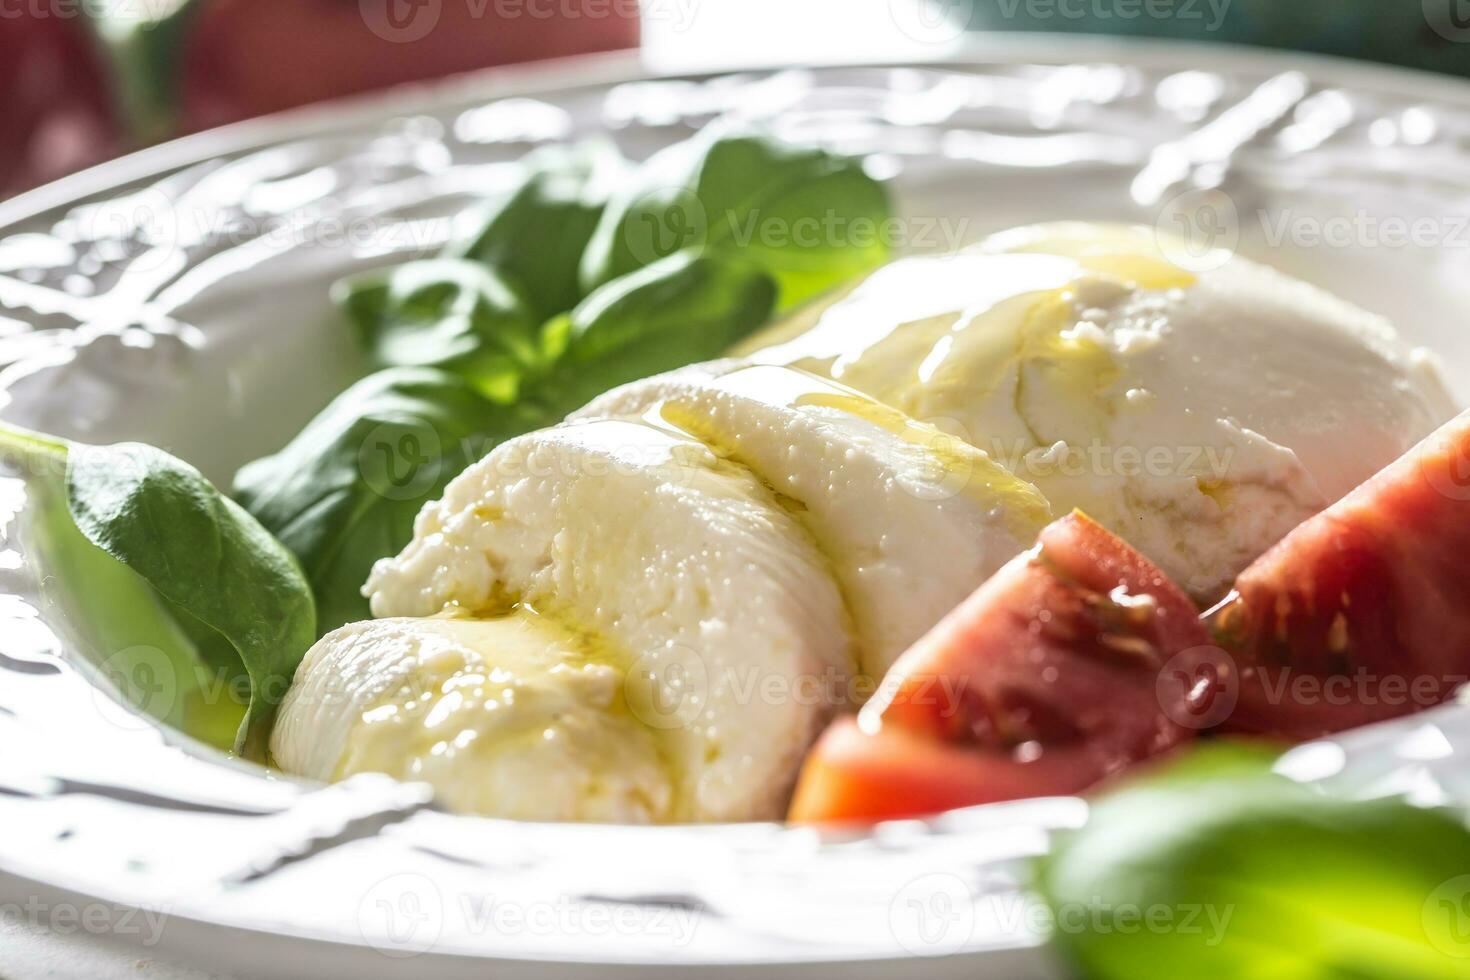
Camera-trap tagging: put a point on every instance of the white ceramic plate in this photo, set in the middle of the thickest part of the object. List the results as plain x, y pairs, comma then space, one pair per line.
179, 296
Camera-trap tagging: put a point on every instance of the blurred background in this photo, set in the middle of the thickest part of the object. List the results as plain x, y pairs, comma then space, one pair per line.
84, 80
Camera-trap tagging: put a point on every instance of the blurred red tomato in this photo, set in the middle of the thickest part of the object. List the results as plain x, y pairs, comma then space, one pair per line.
242, 58
55, 112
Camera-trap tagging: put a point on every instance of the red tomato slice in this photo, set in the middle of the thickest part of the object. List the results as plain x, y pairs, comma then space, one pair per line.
1074, 661
895, 774
1066, 643
1363, 612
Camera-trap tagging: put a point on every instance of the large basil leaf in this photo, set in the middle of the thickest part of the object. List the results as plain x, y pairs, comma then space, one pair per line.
1219, 869
215, 568
810, 218
446, 313
345, 491
129, 632
535, 236
682, 309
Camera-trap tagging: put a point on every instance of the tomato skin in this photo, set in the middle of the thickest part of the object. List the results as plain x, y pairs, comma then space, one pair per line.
1363, 612
1053, 676
55, 113
244, 58
896, 774
1063, 644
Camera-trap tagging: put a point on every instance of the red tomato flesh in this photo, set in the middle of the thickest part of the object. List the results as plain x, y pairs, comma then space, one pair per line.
1048, 679
1363, 612
894, 774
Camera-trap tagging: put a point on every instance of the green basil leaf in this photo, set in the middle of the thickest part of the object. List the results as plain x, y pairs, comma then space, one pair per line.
204, 554
810, 218
132, 636
535, 236
451, 314
1219, 869
345, 491
682, 309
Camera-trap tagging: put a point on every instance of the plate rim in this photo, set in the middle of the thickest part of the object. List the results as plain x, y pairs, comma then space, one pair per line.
616, 67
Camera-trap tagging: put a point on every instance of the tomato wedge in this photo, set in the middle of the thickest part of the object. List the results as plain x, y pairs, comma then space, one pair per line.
1363, 612
893, 773
1074, 661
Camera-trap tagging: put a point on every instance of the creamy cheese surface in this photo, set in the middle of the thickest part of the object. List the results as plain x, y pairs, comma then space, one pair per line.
512, 716
737, 642
910, 519
720, 559
1200, 416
